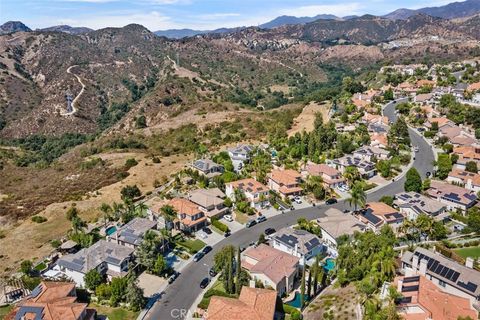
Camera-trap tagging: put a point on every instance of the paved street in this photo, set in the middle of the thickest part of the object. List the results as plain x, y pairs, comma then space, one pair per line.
179, 297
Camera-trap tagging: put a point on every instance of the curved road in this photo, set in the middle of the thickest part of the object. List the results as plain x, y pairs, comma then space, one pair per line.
74, 102
179, 296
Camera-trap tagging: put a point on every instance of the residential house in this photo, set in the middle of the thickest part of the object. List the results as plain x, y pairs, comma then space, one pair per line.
52, 301
299, 243
131, 234
466, 154
272, 267
331, 177
208, 167
369, 118
108, 258
423, 98
190, 217
255, 192
368, 153
425, 82
210, 201
253, 303
366, 168
286, 182
468, 180
375, 127
463, 139
440, 121
379, 140
378, 214
448, 275
335, 223
422, 300
406, 87
240, 155
412, 204
474, 87
454, 197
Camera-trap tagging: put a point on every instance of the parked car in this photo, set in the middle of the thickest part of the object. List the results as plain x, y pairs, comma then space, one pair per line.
207, 249
416, 149
204, 283
227, 234
261, 219
202, 235
207, 230
297, 200
173, 277
199, 255
269, 231
212, 272
228, 218
250, 223
331, 201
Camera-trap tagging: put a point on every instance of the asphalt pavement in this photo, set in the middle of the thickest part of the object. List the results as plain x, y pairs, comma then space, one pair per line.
178, 297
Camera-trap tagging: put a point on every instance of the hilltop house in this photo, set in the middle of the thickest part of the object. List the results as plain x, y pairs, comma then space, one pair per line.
131, 234
210, 201
108, 258
240, 155
207, 167
286, 182
272, 267
255, 192
189, 217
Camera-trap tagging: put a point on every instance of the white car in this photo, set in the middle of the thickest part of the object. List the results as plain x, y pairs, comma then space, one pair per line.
228, 217
416, 149
297, 200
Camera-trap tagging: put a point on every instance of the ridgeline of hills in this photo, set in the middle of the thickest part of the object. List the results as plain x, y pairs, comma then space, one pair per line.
130, 71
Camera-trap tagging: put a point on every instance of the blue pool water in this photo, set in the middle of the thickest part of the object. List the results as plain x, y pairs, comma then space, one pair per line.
110, 230
329, 264
296, 300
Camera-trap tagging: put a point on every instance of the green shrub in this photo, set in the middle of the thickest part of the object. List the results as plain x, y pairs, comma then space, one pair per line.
219, 225
131, 163
39, 219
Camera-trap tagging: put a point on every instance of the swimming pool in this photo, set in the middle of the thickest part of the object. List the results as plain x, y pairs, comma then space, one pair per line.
296, 300
329, 264
110, 230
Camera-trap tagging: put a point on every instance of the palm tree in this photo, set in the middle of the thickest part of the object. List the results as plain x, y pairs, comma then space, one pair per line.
358, 197
107, 211
169, 213
142, 209
351, 174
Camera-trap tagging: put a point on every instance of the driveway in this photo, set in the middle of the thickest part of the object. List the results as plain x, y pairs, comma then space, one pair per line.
151, 284
209, 239
234, 226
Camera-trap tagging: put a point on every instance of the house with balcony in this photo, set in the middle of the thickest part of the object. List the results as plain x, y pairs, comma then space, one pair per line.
210, 201
299, 243
285, 182
413, 204
256, 193
240, 155
377, 214
331, 177
189, 216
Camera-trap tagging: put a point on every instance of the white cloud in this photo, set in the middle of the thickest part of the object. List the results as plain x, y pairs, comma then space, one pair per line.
153, 21
342, 9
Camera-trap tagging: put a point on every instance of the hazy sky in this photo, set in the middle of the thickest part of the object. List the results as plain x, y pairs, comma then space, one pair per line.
195, 14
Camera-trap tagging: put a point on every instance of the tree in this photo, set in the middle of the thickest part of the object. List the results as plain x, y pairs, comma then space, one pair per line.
223, 261
71, 213
261, 238
107, 211
473, 220
358, 197
444, 164
160, 265
130, 192
302, 288
168, 212
118, 287
388, 94
387, 200
309, 283
149, 250
238, 285
134, 295
93, 279
26, 267
77, 224
471, 166
351, 174
316, 267
413, 181
141, 122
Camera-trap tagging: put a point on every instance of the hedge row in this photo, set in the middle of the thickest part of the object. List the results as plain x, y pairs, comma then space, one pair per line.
219, 225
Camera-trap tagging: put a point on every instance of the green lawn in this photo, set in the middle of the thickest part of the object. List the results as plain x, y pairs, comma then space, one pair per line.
192, 245
5, 310
469, 252
115, 313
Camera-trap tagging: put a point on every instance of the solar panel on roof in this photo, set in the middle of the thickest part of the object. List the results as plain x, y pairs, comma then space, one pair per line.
409, 288
455, 276
449, 274
444, 272
469, 286
411, 279
35, 292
